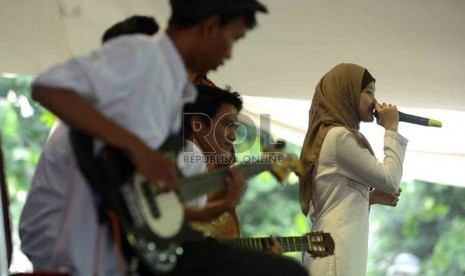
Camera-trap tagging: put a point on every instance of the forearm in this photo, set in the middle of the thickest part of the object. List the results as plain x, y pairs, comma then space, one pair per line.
77, 112
357, 163
371, 198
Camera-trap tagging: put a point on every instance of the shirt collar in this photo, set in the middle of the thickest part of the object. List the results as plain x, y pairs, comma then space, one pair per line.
191, 145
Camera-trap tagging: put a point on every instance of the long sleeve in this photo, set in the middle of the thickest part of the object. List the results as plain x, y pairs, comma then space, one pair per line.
358, 164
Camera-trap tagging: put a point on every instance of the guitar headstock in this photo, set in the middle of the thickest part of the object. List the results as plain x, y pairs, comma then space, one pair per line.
321, 244
282, 163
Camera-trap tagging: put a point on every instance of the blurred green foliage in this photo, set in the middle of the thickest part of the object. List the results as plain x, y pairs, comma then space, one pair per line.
428, 222
268, 207
24, 128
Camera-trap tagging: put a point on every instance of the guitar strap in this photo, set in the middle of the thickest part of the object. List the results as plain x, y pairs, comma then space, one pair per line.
96, 173
83, 148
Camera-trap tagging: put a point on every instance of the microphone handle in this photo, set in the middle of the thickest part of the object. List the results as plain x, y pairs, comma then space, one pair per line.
403, 117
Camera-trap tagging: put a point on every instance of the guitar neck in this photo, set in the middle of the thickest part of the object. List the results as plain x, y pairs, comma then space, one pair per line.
195, 186
289, 244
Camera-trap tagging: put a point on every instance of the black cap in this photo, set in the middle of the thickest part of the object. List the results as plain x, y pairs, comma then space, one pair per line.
218, 6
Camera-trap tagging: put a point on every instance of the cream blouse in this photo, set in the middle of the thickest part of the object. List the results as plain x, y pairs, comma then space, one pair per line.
345, 172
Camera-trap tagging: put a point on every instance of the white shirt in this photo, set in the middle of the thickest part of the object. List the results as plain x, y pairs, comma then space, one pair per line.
344, 174
141, 84
191, 162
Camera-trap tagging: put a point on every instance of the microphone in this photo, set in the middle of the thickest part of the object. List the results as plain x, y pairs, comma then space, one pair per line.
404, 117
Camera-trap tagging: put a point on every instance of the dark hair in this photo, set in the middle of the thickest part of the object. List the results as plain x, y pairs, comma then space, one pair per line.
187, 13
133, 25
366, 79
208, 102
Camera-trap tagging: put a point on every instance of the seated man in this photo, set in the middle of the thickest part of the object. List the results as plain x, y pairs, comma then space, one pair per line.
209, 127
212, 139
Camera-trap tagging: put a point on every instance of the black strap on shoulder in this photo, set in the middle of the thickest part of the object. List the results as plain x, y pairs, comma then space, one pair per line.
83, 148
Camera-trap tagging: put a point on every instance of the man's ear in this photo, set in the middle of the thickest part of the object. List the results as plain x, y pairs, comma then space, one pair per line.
210, 25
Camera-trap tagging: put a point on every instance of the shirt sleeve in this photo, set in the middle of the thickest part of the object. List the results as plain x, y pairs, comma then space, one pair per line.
190, 168
101, 75
358, 164
190, 162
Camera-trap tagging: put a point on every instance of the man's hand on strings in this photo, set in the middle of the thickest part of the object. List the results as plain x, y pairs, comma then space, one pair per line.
157, 168
274, 246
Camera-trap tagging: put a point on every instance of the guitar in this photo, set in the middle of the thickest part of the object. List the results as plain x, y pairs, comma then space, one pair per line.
153, 225
226, 226
280, 164
318, 244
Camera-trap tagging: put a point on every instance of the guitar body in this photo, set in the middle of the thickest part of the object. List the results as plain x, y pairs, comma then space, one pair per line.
153, 226
226, 226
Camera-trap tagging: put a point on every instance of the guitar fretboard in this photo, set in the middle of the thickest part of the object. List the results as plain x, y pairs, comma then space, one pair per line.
195, 186
289, 244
